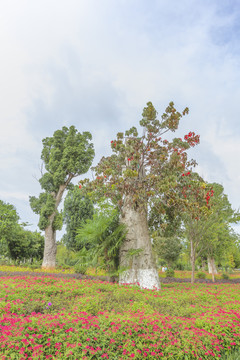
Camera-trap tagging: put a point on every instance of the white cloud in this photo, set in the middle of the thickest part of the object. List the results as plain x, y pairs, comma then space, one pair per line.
96, 64
10, 196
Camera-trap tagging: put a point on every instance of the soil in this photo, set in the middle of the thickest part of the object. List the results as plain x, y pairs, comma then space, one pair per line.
166, 280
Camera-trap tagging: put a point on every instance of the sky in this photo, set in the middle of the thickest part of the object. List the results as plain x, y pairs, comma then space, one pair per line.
95, 64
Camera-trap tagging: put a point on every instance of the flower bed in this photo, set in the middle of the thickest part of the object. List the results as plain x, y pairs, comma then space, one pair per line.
50, 317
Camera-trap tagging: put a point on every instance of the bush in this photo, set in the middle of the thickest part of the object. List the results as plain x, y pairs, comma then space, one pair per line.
225, 276
170, 273
34, 265
80, 268
201, 275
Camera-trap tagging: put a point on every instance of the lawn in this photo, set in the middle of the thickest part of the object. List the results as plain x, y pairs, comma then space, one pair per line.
60, 318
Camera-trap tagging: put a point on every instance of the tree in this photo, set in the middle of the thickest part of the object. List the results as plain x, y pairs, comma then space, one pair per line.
143, 168
207, 217
100, 239
8, 223
16, 242
78, 207
196, 210
219, 236
168, 249
166, 232
25, 244
65, 155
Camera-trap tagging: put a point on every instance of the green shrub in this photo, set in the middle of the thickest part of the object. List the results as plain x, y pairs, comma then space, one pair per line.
225, 276
80, 268
170, 273
200, 275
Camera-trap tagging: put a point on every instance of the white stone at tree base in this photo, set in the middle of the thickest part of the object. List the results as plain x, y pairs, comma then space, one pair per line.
146, 278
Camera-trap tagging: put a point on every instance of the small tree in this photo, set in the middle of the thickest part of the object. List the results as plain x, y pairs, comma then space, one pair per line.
78, 207
218, 236
16, 242
166, 232
8, 224
25, 245
196, 211
168, 249
143, 167
100, 239
65, 155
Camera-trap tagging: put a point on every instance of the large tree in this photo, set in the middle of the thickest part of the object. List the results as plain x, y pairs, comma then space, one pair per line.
65, 155
144, 167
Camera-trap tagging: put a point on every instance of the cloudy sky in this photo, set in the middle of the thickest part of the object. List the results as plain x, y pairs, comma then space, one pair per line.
95, 63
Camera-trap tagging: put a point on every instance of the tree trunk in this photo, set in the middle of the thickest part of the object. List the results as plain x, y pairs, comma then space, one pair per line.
211, 265
192, 262
50, 245
141, 268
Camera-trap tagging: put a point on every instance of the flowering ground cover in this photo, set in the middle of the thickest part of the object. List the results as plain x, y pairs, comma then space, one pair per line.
60, 318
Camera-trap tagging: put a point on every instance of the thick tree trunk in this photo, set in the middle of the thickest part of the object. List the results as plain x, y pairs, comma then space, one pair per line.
141, 267
50, 245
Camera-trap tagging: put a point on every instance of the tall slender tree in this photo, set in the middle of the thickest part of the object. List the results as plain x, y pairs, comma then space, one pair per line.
65, 155
143, 167
196, 210
217, 236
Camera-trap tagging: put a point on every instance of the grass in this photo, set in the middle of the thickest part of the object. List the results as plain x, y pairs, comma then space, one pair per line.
187, 274
53, 318
58, 270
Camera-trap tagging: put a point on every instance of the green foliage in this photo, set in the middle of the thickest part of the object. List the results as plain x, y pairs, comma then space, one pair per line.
78, 207
100, 239
233, 355
225, 276
80, 268
26, 244
66, 155
8, 224
167, 249
16, 242
231, 261
66, 257
170, 273
66, 152
44, 206
200, 275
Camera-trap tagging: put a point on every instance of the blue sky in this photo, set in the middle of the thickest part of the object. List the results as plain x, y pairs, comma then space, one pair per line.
94, 64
